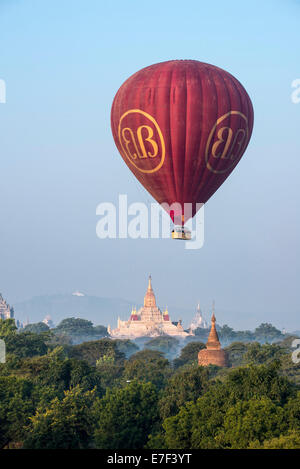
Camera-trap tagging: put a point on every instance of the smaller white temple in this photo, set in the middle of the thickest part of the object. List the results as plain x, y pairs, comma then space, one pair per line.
48, 321
198, 320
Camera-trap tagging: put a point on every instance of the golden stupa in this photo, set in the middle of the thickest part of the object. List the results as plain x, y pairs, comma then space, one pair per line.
213, 354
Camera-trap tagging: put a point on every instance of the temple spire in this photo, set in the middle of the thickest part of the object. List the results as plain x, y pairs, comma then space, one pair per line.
149, 300
213, 338
213, 354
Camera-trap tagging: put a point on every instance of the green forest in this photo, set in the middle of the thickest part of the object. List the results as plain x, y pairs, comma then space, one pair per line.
57, 391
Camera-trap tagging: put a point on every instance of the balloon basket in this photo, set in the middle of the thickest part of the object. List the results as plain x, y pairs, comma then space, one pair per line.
181, 232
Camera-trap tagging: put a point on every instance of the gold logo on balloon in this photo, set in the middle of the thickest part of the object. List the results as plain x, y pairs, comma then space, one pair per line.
143, 143
225, 146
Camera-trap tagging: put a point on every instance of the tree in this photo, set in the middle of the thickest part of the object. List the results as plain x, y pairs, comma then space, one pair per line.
80, 329
202, 424
189, 354
126, 346
289, 369
291, 440
65, 424
57, 339
36, 328
110, 373
182, 387
226, 334
257, 353
48, 370
100, 331
156, 441
201, 333
244, 336
26, 344
94, 350
259, 381
164, 344
178, 429
75, 326
85, 375
267, 333
236, 352
16, 406
292, 410
7, 328
58, 371
254, 420
126, 416
148, 365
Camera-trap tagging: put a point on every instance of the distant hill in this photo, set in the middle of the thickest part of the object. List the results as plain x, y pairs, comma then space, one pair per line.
98, 310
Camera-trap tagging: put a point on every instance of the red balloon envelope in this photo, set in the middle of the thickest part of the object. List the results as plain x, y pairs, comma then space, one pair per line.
181, 127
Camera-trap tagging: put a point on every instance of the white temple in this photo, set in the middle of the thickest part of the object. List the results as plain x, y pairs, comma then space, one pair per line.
148, 321
6, 312
198, 320
48, 321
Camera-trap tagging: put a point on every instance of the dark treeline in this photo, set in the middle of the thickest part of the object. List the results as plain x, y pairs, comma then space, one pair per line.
262, 334
113, 394
75, 331
71, 330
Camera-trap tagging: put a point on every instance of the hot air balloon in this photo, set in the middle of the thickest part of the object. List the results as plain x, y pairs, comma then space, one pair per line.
181, 127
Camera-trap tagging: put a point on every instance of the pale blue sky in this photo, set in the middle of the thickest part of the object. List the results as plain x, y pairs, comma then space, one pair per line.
63, 62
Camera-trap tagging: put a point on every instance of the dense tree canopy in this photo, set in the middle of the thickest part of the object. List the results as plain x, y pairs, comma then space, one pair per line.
184, 386
267, 333
92, 351
25, 344
189, 354
65, 424
126, 346
240, 403
165, 344
149, 366
106, 393
7, 328
125, 417
16, 406
79, 330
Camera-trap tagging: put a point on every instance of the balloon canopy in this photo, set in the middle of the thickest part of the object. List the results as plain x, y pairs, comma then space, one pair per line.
181, 127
